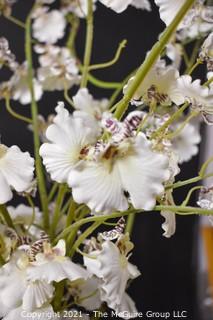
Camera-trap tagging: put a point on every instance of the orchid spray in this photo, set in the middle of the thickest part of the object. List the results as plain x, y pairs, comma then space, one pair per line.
96, 162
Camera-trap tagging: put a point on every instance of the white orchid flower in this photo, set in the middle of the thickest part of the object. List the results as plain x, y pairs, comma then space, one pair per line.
52, 265
129, 166
16, 292
68, 138
200, 97
19, 86
16, 171
114, 275
159, 85
58, 69
48, 26
185, 144
89, 110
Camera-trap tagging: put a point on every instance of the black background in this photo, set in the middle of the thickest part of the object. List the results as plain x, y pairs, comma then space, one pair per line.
168, 266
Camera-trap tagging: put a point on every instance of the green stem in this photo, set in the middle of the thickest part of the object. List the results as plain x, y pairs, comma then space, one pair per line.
205, 166
197, 63
185, 202
130, 223
16, 21
75, 22
111, 62
173, 118
71, 213
34, 112
181, 210
59, 292
182, 126
6, 216
151, 59
67, 98
52, 191
57, 211
83, 236
15, 114
103, 84
89, 40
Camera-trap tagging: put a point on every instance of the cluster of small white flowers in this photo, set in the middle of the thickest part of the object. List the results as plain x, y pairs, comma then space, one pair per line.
97, 162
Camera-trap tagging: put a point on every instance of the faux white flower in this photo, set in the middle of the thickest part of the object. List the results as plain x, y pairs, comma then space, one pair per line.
86, 293
19, 85
16, 171
121, 5
78, 7
69, 139
48, 27
58, 69
129, 166
200, 97
159, 85
199, 23
89, 110
185, 144
113, 268
52, 265
16, 292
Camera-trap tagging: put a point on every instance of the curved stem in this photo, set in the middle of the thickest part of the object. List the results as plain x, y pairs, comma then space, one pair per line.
111, 62
34, 112
89, 39
83, 236
151, 59
103, 84
16, 21
130, 223
56, 215
6, 216
174, 117
15, 114
185, 202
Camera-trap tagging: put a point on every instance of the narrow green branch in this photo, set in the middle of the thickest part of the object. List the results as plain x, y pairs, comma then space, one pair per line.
103, 84
16, 21
15, 114
75, 23
57, 211
83, 236
34, 112
130, 223
89, 40
151, 59
111, 62
6, 216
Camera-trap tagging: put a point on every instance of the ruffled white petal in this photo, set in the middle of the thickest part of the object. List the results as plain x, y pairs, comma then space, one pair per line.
168, 9
6, 193
99, 187
114, 269
49, 26
185, 144
169, 225
36, 295
56, 270
143, 174
126, 309
192, 91
16, 169
67, 136
116, 5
